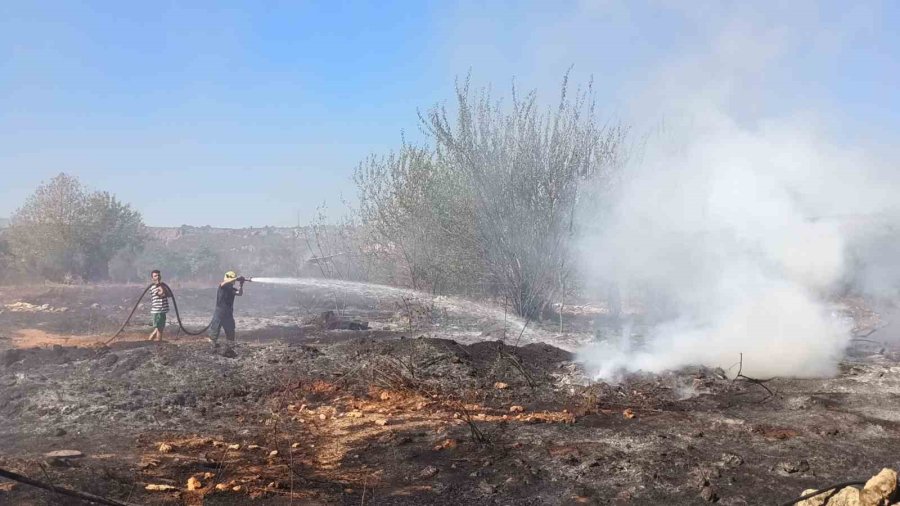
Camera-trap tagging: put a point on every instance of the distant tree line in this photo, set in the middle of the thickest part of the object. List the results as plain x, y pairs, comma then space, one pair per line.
490, 206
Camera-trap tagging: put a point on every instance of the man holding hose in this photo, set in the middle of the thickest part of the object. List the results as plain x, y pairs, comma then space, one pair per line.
159, 306
223, 317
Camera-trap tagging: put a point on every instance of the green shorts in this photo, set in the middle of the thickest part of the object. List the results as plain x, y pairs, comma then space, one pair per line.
159, 321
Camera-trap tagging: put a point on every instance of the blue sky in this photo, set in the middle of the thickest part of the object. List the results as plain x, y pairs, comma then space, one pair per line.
254, 113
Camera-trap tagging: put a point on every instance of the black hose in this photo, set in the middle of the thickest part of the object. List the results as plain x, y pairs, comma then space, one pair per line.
178, 315
138, 303
125, 324
823, 490
84, 496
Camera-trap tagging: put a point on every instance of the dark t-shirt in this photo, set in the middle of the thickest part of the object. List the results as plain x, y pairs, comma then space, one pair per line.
225, 300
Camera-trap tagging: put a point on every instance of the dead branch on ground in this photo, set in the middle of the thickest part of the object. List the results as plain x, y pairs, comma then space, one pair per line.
755, 381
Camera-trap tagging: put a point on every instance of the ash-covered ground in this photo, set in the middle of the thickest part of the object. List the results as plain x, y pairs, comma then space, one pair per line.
435, 404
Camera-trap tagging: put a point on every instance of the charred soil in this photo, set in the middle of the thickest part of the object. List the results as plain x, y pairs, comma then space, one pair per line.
391, 415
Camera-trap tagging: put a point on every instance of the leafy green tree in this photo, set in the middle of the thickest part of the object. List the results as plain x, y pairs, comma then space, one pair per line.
109, 226
62, 231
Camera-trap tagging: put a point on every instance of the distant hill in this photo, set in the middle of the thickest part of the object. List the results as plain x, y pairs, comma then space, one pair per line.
206, 252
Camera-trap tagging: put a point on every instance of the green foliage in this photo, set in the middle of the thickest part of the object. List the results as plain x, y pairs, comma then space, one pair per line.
64, 232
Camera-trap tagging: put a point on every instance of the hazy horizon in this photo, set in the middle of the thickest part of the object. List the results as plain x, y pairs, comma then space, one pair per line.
238, 115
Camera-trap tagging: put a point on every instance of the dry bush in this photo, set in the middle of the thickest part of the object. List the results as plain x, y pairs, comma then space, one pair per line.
490, 208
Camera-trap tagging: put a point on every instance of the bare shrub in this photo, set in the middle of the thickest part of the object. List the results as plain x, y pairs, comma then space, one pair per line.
493, 203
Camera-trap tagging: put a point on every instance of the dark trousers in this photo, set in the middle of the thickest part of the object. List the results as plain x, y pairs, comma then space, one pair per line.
219, 323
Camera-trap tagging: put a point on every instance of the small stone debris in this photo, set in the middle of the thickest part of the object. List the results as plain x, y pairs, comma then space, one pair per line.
878, 490
221, 487
516, 409
159, 488
787, 468
296, 445
254, 447
234, 447
486, 488
59, 432
500, 385
382, 422
64, 454
165, 448
731, 460
428, 472
194, 484
385, 396
273, 453
150, 464
708, 494
446, 445
628, 414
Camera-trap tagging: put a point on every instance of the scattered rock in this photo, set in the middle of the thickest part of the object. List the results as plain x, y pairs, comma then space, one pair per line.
194, 484
628, 414
731, 460
445, 445
159, 488
273, 453
428, 472
486, 488
500, 385
234, 447
877, 491
385, 396
165, 448
64, 454
883, 485
254, 447
296, 445
59, 432
221, 486
708, 494
787, 468
382, 422
149, 464
516, 409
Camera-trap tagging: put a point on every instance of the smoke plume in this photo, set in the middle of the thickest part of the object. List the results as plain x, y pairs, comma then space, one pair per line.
735, 230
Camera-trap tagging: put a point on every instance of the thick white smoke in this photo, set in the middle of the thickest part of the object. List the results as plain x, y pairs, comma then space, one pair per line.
735, 234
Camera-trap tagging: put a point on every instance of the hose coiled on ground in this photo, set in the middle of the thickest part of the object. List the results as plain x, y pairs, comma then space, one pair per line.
138, 303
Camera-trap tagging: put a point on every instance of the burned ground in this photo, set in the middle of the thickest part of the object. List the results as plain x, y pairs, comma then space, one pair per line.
405, 414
